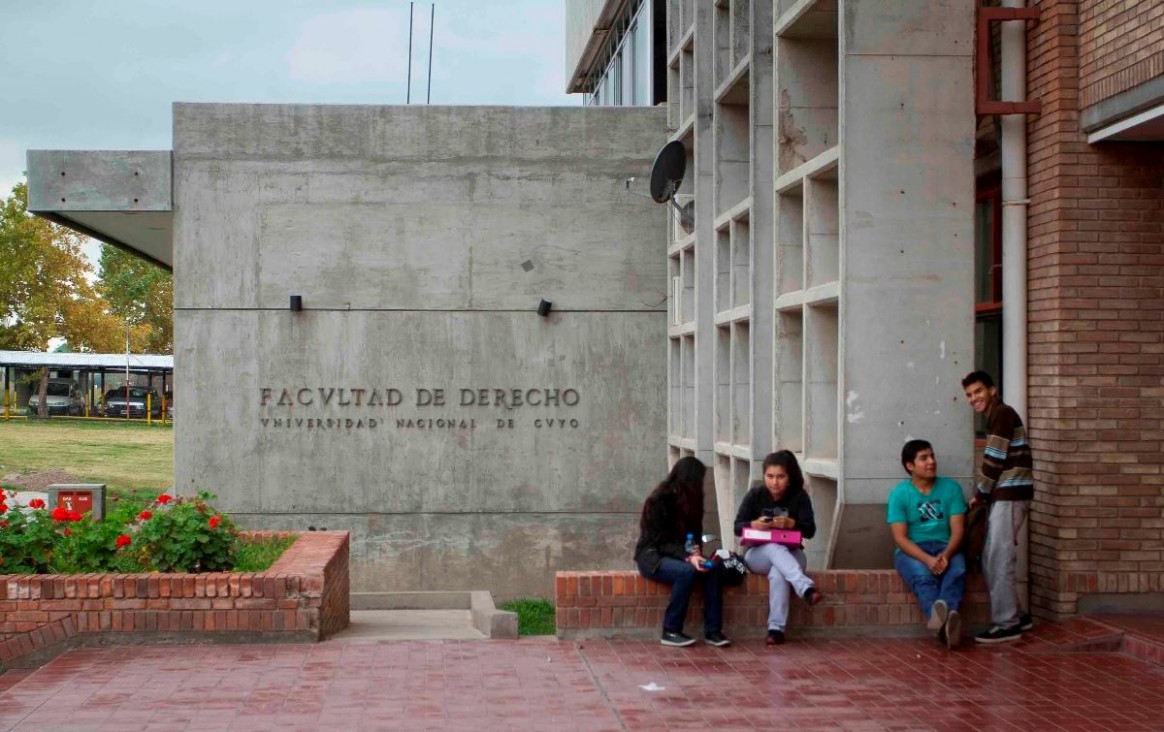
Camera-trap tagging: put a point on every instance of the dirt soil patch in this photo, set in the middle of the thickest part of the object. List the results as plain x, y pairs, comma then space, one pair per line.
38, 481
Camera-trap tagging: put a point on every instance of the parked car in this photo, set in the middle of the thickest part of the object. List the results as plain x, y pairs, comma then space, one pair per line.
115, 402
62, 397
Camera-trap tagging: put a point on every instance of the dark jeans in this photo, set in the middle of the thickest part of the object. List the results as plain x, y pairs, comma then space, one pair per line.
682, 578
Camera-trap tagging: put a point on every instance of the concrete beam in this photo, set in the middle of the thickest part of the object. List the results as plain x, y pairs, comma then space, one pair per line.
121, 197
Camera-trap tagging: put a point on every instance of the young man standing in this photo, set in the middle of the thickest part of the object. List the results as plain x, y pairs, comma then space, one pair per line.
1005, 481
927, 515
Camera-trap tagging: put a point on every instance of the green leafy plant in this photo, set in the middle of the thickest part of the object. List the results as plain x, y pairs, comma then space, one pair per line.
162, 534
91, 546
27, 538
534, 616
182, 535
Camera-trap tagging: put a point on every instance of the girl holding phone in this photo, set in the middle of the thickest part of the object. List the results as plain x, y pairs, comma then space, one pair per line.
780, 502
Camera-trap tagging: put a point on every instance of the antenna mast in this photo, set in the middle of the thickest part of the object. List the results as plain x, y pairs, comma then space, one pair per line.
408, 87
431, 23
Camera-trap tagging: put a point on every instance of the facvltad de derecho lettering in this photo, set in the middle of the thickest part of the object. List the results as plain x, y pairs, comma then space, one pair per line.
327, 396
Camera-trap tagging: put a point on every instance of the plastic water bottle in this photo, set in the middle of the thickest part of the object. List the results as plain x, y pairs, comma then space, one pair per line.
690, 547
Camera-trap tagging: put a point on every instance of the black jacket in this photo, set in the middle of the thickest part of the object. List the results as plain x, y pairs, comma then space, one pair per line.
796, 503
664, 536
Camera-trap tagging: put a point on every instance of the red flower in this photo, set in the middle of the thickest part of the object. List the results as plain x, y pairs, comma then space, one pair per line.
164, 499
123, 540
145, 515
60, 513
67, 532
214, 522
36, 503
74, 516
3, 507
3, 524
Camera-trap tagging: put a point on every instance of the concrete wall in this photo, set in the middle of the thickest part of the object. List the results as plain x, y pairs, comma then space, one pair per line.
907, 336
421, 240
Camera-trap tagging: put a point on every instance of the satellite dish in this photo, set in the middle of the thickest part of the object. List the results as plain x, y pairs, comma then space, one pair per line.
667, 172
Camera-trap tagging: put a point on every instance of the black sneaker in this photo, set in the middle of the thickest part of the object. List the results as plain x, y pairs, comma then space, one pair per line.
717, 639
998, 634
775, 638
676, 640
812, 596
1026, 622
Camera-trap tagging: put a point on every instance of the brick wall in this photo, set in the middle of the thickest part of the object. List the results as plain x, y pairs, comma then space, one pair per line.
302, 597
614, 603
1096, 300
1121, 44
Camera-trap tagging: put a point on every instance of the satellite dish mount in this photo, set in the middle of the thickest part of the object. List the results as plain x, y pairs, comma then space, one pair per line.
666, 178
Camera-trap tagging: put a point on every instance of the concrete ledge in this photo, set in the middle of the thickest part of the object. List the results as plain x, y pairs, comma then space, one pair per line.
623, 604
491, 621
304, 596
487, 618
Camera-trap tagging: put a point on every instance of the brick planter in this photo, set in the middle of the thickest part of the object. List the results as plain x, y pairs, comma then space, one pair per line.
302, 597
624, 604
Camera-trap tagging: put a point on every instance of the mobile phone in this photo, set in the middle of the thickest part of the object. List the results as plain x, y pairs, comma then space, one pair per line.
769, 513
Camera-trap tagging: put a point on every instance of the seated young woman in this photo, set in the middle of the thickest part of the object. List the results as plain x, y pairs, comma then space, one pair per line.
672, 512
780, 502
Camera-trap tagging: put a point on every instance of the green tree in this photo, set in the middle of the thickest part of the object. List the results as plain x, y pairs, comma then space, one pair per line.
139, 293
44, 287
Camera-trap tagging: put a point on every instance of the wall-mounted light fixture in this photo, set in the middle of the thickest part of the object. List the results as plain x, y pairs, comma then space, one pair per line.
296, 303
544, 308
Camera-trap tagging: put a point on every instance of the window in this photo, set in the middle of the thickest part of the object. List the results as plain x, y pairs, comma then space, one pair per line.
627, 78
627, 58
641, 33
988, 281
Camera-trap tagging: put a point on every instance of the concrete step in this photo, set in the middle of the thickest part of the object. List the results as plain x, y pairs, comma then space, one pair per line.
443, 607
402, 625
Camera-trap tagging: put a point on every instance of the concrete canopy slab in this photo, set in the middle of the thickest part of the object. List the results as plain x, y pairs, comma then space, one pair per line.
121, 197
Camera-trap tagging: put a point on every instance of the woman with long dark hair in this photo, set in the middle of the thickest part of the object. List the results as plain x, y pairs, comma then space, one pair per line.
780, 502
672, 512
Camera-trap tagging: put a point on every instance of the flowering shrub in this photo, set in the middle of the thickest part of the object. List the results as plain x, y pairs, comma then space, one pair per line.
169, 535
183, 535
26, 543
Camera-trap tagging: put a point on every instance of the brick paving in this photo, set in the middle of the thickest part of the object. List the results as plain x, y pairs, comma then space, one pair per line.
545, 684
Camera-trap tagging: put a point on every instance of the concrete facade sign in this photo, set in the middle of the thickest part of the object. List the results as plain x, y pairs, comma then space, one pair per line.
418, 399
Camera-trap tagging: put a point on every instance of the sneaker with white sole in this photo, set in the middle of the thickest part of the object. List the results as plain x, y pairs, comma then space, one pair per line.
938, 615
999, 634
953, 630
676, 639
717, 639
1026, 622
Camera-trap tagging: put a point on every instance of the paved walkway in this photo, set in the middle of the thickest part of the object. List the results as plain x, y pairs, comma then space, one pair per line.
543, 684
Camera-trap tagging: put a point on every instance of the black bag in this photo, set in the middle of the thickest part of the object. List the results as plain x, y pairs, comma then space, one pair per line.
731, 568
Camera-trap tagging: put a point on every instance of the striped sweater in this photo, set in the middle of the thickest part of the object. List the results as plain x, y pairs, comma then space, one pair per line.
1006, 470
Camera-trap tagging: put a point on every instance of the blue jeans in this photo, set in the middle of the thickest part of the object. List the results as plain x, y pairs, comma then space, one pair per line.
928, 587
682, 578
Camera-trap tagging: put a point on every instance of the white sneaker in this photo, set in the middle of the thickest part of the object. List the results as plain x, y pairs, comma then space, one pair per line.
953, 630
938, 615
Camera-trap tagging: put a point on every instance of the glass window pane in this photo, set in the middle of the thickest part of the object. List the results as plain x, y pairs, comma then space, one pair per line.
984, 264
629, 82
615, 74
642, 54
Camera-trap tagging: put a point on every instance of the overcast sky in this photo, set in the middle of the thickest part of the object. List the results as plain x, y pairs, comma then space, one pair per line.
102, 74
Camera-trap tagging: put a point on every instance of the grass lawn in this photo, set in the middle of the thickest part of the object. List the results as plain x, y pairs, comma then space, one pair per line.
126, 457
534, 616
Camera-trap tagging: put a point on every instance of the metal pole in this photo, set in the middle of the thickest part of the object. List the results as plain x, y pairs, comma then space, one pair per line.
408, 87
431, 23
127, 370
1014, 246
